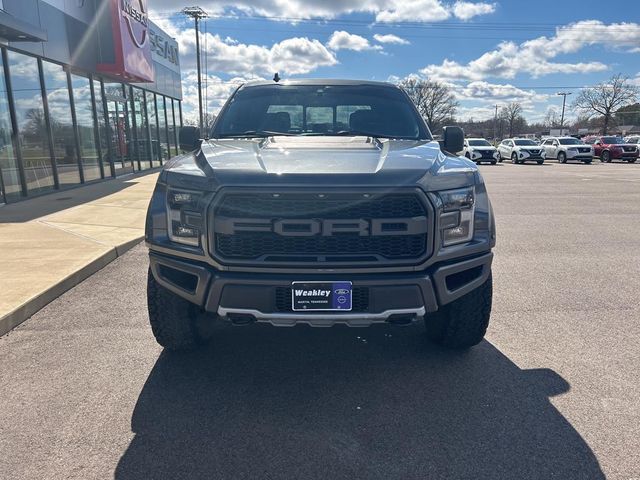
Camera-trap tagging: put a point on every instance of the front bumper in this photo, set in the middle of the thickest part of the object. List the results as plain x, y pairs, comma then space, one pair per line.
576, 155
617, 155
253, 297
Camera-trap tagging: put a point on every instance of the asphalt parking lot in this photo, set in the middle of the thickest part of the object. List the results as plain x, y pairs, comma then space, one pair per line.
553, 392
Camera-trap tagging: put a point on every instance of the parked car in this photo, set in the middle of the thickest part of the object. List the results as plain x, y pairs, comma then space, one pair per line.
521, 150
633, 139
567, 148
480, 150
276, 219
609, 147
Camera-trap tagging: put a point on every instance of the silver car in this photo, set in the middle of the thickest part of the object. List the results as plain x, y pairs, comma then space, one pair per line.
568, 148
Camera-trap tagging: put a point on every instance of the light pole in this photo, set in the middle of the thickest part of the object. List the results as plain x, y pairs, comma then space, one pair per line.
564, 100
197, 13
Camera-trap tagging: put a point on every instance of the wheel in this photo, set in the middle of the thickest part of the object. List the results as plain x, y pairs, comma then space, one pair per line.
586, 162
462, 323
514, 158
500, 157
633, 160
562, 157
493, 162
175, 322
605, 157
540, 162
467, 155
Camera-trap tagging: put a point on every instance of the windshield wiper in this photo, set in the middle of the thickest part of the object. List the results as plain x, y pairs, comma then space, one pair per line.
255, 134
362, 133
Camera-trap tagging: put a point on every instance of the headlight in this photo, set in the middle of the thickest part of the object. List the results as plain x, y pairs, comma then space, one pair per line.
456, 219
572, 149
184, 217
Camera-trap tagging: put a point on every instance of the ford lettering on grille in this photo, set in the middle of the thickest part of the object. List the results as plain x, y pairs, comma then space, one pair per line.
311, 227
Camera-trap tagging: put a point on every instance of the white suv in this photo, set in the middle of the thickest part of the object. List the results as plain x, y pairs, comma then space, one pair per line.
480, 150
521, 150
568, 148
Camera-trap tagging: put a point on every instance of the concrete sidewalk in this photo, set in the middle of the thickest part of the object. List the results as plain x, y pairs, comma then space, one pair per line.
51, 243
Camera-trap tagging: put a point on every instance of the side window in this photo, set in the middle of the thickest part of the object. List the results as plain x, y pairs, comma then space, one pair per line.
343, 113
547, 142
294, 111
320, 119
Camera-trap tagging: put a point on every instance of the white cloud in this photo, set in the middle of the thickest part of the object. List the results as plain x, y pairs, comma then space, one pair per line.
534, 57
494, 92
468, 10
341, 40
292, 56
390, 38
384, 10
415, 11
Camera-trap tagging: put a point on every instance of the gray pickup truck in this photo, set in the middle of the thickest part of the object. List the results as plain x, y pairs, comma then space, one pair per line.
320, 202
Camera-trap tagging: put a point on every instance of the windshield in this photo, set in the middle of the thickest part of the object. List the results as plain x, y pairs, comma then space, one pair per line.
479, 143
372, 110
612, 140
570, 141
526, 142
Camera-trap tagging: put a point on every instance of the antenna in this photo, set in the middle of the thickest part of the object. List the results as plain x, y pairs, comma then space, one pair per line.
276, 77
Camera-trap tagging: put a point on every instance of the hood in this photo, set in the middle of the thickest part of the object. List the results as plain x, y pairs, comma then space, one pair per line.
331, 160
319, 155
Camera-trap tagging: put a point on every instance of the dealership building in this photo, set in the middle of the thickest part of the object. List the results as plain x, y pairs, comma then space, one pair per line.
89, 90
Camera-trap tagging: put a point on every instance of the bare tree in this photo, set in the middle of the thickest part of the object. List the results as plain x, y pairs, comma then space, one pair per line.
512, 113
605, 98
434, 100
551, 119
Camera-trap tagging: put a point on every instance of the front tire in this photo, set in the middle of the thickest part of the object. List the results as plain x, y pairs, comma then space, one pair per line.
514, 158
562, 157
605, 157
175, 322
462, 323
540, 162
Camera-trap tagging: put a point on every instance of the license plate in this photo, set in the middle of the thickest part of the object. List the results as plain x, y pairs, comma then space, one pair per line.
321, 296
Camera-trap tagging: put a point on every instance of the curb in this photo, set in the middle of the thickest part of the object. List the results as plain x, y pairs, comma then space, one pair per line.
25, 311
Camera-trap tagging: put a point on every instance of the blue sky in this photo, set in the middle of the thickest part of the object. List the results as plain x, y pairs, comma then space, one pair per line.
489, 52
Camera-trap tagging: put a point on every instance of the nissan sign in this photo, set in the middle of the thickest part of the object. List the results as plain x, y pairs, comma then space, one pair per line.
132, 49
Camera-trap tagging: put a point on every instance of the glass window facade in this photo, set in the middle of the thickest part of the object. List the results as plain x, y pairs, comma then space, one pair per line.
60, 127
32, 132
142, 129
153, 126
61, 124
165, 154
10, 184
86, 128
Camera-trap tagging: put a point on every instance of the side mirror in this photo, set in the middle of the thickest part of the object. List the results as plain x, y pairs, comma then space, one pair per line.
453, 139
189, 138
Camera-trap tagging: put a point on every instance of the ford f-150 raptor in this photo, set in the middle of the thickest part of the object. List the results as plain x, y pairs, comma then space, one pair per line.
320, 202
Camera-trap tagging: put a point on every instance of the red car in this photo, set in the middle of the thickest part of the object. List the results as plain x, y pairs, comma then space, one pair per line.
608, 148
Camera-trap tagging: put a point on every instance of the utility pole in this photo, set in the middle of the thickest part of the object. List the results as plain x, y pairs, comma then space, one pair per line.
197, 13
495, 125
564, 100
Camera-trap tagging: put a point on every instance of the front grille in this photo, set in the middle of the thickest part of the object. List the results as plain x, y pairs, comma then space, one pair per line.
359, 300
629, 149
255, 247
584, 150
487, 154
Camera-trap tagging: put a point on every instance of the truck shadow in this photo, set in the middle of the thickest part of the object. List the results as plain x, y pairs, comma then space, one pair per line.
380, 403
